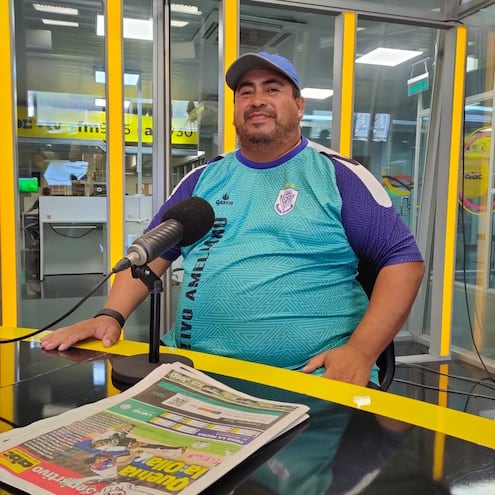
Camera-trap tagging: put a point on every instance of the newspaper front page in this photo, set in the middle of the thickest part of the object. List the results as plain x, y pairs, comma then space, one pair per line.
176, 431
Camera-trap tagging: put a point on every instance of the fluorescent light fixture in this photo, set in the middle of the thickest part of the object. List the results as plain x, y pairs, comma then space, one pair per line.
389, 57
185, 9
137, 29
316, 93
102, 102
55, 9
129, 79
55, 22
178, 24
472, 63
31, 103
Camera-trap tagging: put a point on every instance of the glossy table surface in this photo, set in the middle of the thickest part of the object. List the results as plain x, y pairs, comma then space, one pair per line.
356, 440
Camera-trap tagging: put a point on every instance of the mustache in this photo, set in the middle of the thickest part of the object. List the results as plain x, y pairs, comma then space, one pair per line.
263, 111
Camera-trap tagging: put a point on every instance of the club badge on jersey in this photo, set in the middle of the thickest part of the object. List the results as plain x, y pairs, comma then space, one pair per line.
286, 201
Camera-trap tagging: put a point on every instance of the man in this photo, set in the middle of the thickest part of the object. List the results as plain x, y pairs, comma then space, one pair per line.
274, 281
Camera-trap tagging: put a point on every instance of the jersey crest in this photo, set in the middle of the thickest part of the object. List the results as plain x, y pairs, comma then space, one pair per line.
286, 201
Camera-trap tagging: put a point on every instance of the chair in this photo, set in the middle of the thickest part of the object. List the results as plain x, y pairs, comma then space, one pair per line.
386, 361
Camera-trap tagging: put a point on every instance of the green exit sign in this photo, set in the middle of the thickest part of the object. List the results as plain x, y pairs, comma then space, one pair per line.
418, 84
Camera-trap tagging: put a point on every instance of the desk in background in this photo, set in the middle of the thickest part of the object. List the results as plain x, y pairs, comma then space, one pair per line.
72, 235
344, 449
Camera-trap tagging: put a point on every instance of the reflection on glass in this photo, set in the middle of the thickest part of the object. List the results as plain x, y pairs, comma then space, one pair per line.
194, 85
389, 98
307, 39
474, 317
61, 146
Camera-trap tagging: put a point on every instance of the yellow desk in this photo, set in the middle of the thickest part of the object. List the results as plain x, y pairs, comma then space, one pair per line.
442, 444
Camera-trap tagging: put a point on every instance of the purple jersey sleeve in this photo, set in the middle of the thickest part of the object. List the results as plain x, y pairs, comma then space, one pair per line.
374, 228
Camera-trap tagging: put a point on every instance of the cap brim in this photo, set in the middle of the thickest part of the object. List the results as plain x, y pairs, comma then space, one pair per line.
246, 63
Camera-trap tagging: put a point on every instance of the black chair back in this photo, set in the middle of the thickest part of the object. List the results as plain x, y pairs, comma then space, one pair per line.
386, 361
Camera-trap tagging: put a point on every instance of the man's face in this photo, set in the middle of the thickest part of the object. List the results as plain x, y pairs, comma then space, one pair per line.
265, 108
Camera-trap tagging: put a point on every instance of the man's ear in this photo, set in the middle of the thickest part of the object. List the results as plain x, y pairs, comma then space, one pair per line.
301, 105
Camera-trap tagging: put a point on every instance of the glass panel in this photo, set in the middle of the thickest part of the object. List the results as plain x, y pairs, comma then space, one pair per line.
474, 294
390, 96
61, 147
194, 85
307, 39
138, 107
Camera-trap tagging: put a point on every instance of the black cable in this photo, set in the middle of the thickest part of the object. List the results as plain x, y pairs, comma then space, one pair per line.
8, 422
446, 390
65, 315
476, 381
84, 234
471, 391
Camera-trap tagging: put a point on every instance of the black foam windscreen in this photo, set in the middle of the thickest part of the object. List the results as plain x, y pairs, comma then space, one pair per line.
195, 214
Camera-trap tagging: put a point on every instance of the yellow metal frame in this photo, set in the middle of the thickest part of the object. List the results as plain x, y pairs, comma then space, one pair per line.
451, 217
230, 53
347, 98
8, 246
115, 128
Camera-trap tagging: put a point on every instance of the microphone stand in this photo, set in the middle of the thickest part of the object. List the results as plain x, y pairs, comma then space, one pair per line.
131, 369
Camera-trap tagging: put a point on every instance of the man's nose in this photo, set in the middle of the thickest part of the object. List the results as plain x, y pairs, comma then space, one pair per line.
259, 99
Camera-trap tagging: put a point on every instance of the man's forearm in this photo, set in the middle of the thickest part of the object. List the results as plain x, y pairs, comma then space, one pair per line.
393, 295
128, 292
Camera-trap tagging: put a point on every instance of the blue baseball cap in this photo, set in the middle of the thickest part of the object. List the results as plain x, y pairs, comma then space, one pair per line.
260, 60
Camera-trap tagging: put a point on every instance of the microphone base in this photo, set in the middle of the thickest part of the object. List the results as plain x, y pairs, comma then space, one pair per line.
131, 369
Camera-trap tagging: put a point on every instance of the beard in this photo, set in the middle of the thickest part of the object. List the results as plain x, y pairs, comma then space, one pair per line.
282, 133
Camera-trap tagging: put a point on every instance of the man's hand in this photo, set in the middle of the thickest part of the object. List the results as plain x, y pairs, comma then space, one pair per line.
346, 364
104, 328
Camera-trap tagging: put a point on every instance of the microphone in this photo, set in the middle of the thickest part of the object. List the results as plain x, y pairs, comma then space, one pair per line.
182, 225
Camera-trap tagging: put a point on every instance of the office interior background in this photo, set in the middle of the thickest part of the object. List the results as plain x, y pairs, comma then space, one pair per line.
109, 104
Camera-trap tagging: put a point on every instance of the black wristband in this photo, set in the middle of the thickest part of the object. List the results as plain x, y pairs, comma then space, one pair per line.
113, 314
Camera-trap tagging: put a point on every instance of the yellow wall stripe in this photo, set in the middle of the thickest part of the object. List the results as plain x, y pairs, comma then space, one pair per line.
348, 56
115, 143
451, 217
230, 53
8, 216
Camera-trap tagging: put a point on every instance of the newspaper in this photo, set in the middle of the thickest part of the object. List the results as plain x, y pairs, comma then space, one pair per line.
176, 431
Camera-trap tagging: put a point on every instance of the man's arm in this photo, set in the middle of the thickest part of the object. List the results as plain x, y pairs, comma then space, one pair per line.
393, 295
125, 296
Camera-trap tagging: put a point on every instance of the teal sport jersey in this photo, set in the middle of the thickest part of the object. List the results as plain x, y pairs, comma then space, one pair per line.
274, 281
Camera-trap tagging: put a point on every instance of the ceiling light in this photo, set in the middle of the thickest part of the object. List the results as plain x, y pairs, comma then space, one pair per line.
54, 9
130, 79
102, 102
389, 57
137, 29
316, 93
178, 24
54, 22
472, 63
185, 9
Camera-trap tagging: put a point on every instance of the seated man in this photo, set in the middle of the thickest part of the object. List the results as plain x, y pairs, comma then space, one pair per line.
274, 281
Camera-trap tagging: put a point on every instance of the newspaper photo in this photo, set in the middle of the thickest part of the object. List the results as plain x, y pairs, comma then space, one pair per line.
176, 431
